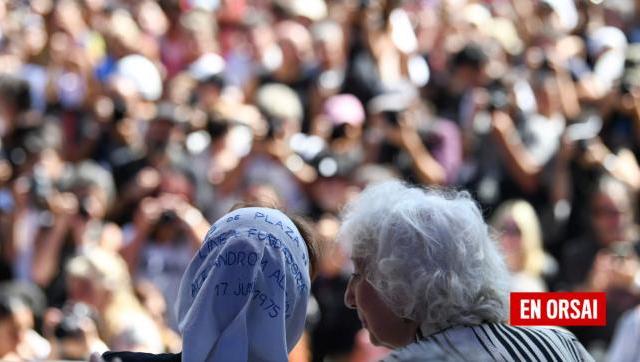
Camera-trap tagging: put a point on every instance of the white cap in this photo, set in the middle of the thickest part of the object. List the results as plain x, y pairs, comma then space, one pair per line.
206, 65
143, 73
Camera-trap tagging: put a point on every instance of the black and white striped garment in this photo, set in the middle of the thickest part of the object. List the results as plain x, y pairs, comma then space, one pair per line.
494, 342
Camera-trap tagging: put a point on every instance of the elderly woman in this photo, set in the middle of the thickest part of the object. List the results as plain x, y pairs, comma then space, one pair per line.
244, 295
430, 282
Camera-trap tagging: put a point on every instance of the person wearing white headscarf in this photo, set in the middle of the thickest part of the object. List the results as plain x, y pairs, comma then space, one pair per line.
244, 295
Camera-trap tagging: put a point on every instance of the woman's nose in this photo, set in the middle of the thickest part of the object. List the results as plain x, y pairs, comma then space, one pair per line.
349, 297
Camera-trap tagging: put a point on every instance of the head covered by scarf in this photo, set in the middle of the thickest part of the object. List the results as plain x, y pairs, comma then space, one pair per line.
244, 295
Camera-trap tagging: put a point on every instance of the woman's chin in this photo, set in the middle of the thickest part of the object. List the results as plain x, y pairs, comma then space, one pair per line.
375, 341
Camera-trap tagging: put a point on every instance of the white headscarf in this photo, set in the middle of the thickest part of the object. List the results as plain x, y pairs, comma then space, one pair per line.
244, 295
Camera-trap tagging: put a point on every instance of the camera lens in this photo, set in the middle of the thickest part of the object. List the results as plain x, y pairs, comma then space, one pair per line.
168, 216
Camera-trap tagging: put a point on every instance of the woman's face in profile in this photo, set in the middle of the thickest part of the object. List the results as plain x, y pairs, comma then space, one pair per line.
384, 326
511, 242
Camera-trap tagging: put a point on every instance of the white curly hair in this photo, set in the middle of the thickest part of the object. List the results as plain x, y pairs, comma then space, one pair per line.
429, 254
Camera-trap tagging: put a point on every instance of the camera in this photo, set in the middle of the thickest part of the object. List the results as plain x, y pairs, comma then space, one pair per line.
498, 95
498, 100
391, 117
74, 316
167, 217
391, 105
41, 189
83, 207
583, 132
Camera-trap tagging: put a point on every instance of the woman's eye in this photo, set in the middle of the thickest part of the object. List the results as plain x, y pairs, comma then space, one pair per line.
355, 275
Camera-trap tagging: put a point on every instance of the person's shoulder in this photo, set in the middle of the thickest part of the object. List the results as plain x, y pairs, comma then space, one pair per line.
550, 330
558, 340
456, 343
141, 357
425, 350
494, 341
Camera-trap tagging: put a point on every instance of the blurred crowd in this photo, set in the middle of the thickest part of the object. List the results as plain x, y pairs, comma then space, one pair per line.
126, 127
